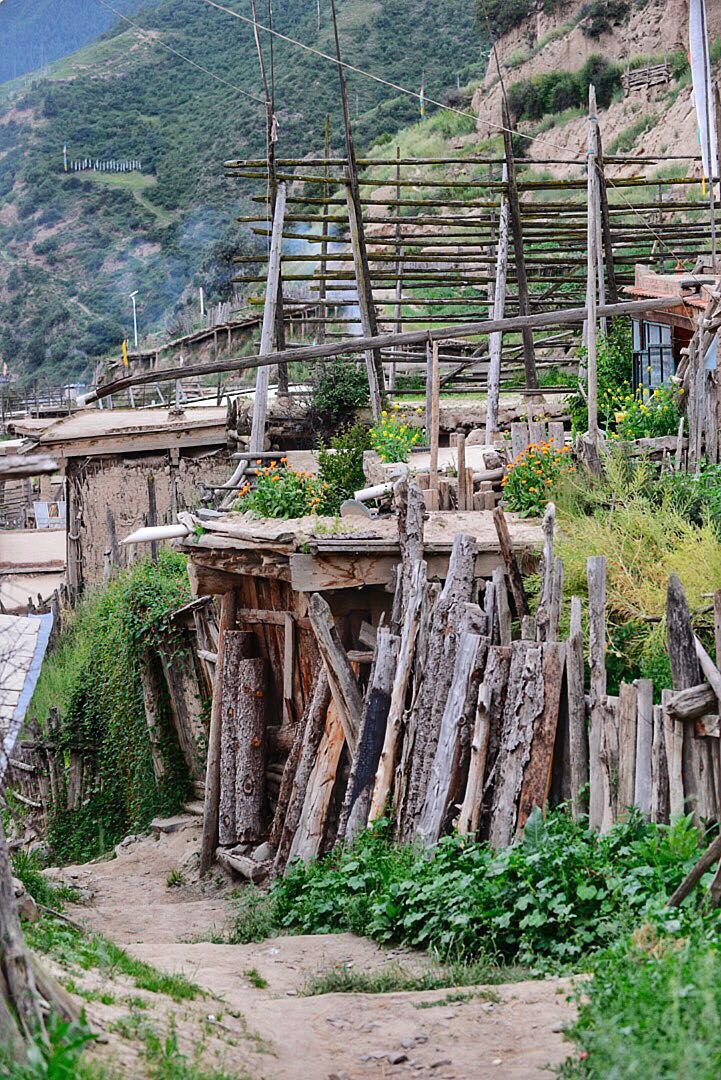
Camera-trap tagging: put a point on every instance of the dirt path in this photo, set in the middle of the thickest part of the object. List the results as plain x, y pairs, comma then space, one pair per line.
513, 1030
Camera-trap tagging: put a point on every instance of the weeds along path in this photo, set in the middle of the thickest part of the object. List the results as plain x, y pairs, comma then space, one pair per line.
510, 1031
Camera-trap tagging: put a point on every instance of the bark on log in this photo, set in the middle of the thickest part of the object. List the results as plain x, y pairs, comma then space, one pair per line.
692, 703
660, 798
151, 695
245, 707
543, 615
239, 645
515, 578
343, 683
627, 734
212, 772
643, 782
308, 837
312, 735
356, 806
537, 773
291, 766
502, 607
489, 715
445, 761
186, 708
577, 733
711, 855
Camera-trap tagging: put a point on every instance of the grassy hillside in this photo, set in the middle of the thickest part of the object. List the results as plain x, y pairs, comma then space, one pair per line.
72, 246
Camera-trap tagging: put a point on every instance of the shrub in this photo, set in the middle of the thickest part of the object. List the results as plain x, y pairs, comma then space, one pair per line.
559, 895
614, 367
531, 479
394, 438
601, 15
282, 493
341, 471
339, 390
639, 417
697, 496
530, 99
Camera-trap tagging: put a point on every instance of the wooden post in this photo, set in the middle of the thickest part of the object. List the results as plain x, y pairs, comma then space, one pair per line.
524, 303
238, 645
322, 289
399, 267
360, 253
577, 735
374, 366
591, 283
308, 837
600, 795
612, 290
489, 714
513, 571
495, 341
463, 500
434, 431
245, 702
627, 730
643, 783
211, 808
260, 401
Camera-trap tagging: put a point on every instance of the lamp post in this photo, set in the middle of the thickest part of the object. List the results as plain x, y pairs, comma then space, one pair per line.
135, 319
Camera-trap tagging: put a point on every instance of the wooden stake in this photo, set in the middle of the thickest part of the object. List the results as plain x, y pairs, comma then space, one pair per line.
599, 795
228, 606
260, 401
513, 572
643, 783
434, 430
343, 683
578, 736
495, 341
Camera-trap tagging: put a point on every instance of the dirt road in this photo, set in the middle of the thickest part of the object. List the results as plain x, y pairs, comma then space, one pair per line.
512, 1030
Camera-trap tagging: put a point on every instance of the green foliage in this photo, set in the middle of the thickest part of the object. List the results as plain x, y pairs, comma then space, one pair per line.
394, 438
254, 917
558, 896
601, 16
530, 99
531, 479
697, 496
641, 416
614, 365
339, 390
95, 673
626, 139
74, 949
395, 979
653, 1008
282, 493
340, 467
256, 979
54, 1058
26, 868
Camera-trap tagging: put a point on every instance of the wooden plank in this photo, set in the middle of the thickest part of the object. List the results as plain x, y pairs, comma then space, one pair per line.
599, 792
495, 341
288, 655
308, 836
660, 796
432, 497
489, 714
513, 571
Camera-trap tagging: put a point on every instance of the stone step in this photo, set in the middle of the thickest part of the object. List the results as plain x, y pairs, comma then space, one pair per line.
174, 824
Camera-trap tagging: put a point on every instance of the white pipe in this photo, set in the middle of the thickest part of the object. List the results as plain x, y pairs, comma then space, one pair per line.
157, 532
376, 492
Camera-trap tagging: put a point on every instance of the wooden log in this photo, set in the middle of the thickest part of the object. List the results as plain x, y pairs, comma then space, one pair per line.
660, 795
519, 437
389, 751
359, 792
577, 733
432, 496
151, 696
536, 782
239, 645
554, 621
20, 1006
495, 342
692, 703
524, 703
627, 737
543, 614
711, 855
424, 725
260, 400
489, 714
245, 705
313, 725
524, 303
599, 792
342, 680
212, 773
308, 838
445, 762
643, 780
673, 742
513, 571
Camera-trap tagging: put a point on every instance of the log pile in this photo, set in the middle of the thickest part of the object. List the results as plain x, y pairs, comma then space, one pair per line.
475, 711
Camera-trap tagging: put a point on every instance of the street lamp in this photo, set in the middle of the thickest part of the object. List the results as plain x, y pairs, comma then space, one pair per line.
135, 318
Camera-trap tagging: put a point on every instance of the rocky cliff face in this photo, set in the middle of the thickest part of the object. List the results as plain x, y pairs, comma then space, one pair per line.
560, 42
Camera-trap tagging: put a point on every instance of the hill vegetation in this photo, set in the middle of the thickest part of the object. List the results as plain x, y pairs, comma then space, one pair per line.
73, 246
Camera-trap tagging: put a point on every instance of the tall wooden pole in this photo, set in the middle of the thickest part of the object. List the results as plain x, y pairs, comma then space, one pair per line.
322, 289
211, 807
399, 267
524, 304
260, 403
591, 266
360, 252
612, 290
495, 341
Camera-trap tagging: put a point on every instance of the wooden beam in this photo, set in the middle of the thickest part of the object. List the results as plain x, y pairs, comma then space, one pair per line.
342, 680
524, 303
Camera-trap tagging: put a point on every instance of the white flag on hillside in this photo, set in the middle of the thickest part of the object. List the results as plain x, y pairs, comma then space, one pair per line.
702, 92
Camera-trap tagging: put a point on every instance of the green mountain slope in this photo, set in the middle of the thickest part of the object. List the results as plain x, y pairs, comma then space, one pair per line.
36, 32
73, 246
